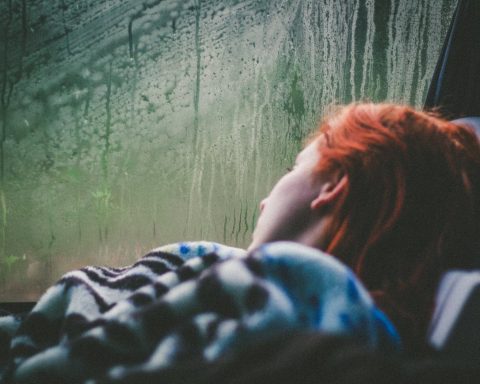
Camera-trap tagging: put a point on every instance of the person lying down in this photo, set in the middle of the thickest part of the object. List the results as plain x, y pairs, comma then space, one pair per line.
352, 241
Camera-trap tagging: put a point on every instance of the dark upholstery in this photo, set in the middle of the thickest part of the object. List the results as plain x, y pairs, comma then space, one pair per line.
455, 86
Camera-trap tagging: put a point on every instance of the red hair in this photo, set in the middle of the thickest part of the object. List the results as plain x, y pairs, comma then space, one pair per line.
411, 207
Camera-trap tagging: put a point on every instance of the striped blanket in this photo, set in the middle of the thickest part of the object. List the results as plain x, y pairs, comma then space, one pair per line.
197, 300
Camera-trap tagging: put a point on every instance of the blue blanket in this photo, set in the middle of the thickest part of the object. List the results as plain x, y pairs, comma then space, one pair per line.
184, 301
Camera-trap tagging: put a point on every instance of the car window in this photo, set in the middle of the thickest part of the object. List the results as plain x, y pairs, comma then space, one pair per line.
128, 124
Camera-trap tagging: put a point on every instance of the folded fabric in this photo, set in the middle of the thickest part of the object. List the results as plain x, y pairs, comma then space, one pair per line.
197, 300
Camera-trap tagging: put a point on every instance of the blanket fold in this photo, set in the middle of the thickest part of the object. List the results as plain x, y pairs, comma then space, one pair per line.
197, 300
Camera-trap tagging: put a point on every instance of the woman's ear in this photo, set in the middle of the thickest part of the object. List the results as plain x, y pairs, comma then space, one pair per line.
329, 192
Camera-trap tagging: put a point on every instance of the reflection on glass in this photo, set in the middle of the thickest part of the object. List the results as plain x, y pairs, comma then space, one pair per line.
126, 125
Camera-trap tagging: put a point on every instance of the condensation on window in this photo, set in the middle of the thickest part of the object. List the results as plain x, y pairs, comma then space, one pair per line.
127, 124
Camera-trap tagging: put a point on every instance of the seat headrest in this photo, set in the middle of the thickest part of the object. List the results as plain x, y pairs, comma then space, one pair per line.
472, 121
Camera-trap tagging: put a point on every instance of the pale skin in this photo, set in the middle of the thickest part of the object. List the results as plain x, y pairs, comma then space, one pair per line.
300, 203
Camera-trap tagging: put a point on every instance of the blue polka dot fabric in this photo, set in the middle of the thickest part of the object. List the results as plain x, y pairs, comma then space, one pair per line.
191, 300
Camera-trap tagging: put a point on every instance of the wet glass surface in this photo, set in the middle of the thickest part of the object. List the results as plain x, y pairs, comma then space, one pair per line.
127, 124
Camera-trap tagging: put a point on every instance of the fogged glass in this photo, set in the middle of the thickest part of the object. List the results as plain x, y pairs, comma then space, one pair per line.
128, 124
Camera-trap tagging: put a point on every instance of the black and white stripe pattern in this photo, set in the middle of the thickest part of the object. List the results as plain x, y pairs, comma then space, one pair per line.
179, 302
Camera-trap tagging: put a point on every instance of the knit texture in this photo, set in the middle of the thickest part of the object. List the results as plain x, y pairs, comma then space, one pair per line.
181, 302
